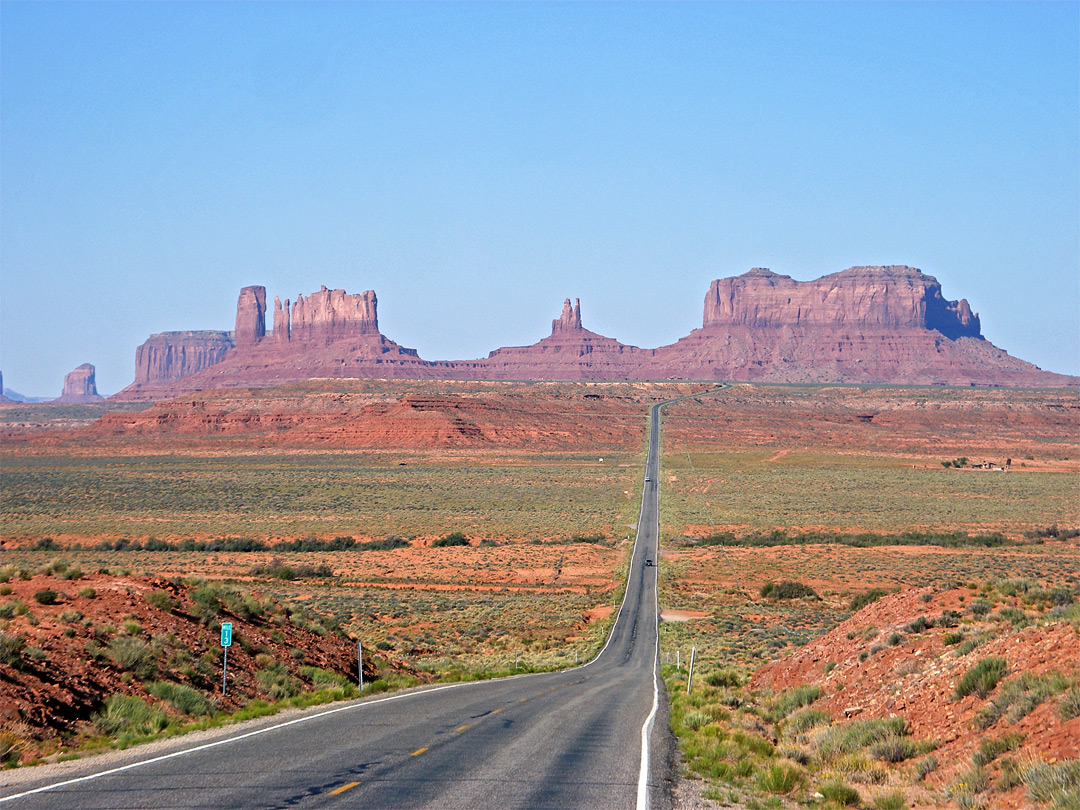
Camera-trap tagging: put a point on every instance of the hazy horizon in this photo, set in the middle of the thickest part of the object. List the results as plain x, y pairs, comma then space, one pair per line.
475, 164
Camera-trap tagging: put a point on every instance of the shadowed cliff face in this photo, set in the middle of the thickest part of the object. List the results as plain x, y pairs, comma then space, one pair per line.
80, 385
895, 297
170, 356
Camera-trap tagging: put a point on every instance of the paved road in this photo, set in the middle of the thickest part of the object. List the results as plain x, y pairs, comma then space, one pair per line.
572, 739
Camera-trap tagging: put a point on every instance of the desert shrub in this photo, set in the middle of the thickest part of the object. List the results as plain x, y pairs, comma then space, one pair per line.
865, 598
895, 639
695, 720
925, 766
893, 800
949, 618
837, 791
315, 544
1070, 704
1020, 696
856, 736
182, 698
452, 539
980, 607
132, 628
277, 569
991, 749
162, 600
386, 544
129, 715
794, 699
324, 678
72, 573
1015, 586
725, 677
919, 625
70, 616
131, 653
952, 638
893, 749
806, 720
46, 597
781, 778
7, 610
87, 593
277, 682
11, 647
1014, 616
981, 678
788, 589
1058, 783
12, 744
47, 544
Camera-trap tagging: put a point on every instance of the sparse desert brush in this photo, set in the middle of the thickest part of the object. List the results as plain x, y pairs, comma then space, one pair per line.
981, 678
182, 698
130, 715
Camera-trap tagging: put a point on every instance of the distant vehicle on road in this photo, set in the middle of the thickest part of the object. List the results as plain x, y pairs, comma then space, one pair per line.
648, 562
647, 479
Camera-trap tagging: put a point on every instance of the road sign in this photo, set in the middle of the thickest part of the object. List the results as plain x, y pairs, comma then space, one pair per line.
226, 634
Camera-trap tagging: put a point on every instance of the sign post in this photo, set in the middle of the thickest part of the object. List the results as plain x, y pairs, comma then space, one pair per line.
360, 662
226, 642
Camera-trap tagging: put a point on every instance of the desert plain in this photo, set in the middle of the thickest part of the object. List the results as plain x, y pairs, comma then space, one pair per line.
839, 558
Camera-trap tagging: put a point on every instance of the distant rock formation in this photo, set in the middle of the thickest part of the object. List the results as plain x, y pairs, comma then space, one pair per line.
80, 386
250, 316
570, 320
169, 356
862, 325
894, 297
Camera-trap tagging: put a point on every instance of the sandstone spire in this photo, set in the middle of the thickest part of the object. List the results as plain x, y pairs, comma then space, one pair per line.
250, 316
570, 320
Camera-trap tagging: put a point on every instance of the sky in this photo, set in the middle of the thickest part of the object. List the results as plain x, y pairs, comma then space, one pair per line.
475, 164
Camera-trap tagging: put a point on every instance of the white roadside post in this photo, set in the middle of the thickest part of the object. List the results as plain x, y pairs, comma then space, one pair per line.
360, 663
226, 642
690, 677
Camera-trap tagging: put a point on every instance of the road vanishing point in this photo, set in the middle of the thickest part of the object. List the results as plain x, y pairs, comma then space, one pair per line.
594, 737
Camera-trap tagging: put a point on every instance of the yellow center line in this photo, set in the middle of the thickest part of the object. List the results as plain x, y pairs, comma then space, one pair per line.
418, 751
338, 791
522, 700
496, 711
462, 728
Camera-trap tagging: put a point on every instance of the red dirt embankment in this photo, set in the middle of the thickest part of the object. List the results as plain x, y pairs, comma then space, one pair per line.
862, 673
67, 664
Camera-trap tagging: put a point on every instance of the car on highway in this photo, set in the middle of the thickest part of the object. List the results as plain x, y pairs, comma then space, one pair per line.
647, 479
649, 562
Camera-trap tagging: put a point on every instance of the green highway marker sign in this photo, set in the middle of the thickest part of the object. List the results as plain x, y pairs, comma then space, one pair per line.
226, 634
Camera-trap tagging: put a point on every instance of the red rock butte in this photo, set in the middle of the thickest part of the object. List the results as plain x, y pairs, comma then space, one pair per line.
863, 325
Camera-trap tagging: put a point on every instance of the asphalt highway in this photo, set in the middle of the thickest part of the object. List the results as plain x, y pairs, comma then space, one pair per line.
593, 737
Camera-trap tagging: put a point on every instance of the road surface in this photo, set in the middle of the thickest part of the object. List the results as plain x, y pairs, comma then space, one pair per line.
593, 737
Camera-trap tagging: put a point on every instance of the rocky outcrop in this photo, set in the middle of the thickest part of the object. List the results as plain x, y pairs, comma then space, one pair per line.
250, 316
169, 356
862, 325
80, 386
894, 297
331, 315
282, 321
570, 320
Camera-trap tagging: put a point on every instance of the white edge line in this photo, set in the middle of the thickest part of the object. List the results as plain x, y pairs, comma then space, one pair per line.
646, 727
255, 733
227, 740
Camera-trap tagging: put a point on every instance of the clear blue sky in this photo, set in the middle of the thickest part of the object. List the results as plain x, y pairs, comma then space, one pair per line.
476, 164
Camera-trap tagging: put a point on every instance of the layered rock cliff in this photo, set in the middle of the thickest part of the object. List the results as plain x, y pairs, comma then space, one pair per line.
169, 356
894, 297
862, 325
80, 385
